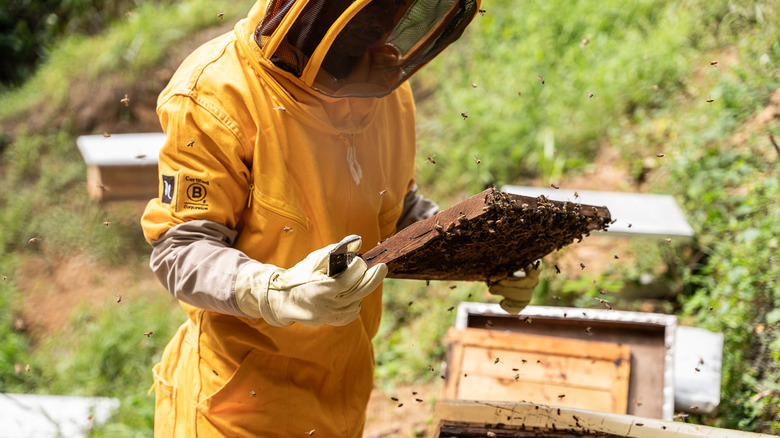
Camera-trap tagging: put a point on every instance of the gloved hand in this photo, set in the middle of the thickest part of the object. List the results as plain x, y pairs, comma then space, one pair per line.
517, 289
304, 293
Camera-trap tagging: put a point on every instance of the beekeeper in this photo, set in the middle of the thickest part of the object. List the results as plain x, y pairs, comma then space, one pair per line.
284, 137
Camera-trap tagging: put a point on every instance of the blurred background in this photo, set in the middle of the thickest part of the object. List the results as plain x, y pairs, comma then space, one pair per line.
676, 97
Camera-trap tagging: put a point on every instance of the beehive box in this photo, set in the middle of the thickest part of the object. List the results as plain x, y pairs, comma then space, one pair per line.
503, 366
486, 237
121, 166
649, 336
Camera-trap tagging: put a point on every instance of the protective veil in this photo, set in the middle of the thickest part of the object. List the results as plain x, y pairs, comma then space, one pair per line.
267, 165
359, 48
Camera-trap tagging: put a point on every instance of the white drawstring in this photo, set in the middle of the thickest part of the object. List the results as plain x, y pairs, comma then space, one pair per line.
354, 166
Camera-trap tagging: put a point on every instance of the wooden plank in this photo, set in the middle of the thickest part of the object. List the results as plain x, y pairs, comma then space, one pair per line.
486, 237
471, 418
491, 365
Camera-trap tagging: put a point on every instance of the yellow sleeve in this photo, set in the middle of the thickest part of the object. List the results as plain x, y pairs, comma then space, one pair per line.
204, 166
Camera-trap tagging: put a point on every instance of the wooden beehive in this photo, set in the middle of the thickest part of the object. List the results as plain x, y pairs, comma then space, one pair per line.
648, 336
486, 237
121, 166
504, 366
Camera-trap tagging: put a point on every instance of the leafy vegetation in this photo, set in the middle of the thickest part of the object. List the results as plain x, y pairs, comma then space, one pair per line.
532, 93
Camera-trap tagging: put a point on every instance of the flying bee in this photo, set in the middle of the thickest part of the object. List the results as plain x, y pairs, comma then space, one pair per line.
589, 330
140, 156
431, 160
496, 361
106, 223
215, 372
660, 155
557, 269
119, 299
576, 195
149, 333
464, 115
616, 257
710, 100
106, 135
400, 405
418, 400
629, 225
473, 85
395, 399
5, 278
561, 396
582, 266
252, 393
430, 368
590, 95
191, 143
554, 186
33, 240
220, 15
287, 229
713, 62
382, 193
585, 41
450, 309
541, 79
280, 108
126, 100
482, 12
477, 160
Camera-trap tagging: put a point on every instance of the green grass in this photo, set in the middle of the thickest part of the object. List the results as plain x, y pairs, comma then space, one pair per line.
647, 64
124, 52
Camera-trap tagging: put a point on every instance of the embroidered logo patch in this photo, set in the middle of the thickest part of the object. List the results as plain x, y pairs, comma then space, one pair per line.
197, 189
169, 182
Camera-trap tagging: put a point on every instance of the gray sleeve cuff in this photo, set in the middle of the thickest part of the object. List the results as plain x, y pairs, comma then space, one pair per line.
197, 264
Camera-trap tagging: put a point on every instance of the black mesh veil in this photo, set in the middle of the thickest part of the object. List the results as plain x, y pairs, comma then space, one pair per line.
361, 47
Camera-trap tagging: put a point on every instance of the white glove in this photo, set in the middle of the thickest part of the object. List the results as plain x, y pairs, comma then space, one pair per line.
517, 289
305, 293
